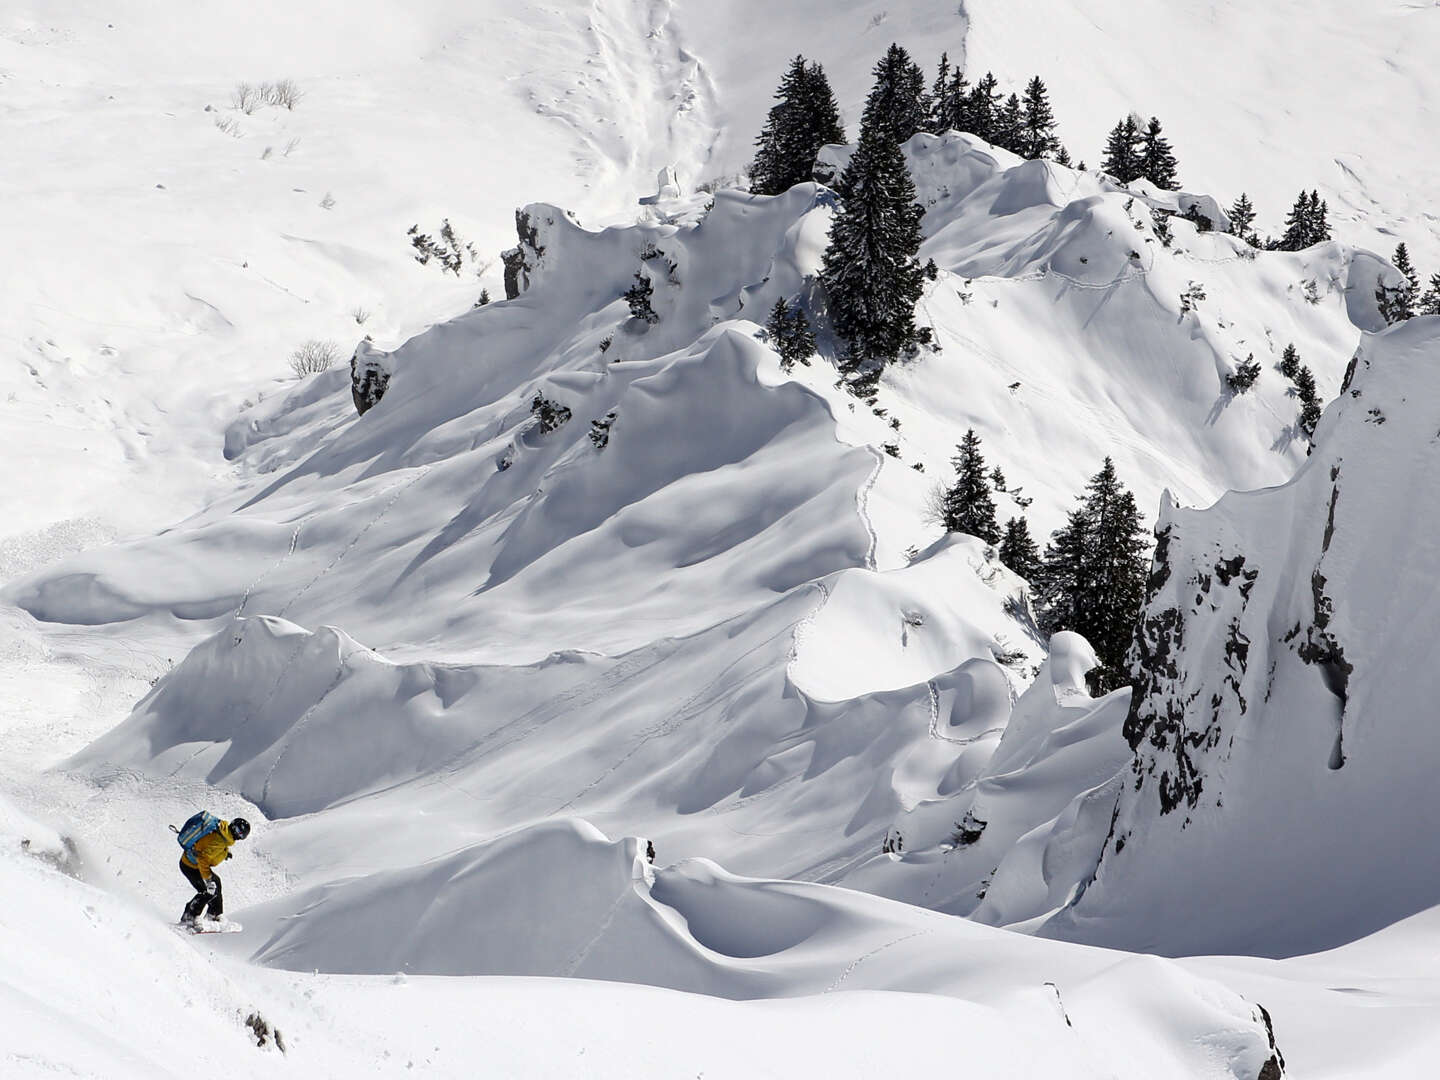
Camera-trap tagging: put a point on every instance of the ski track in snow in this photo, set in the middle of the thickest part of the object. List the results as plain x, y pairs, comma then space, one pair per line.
862, 505
398, 490
850, 968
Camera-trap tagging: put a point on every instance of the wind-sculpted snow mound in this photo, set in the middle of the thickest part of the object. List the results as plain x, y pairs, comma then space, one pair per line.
969, 847
1283, 684
883, 631
562, 900
455, 515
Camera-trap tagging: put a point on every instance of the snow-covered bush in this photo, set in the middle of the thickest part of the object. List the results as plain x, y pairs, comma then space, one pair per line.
600, 430
550, 413
450, 251
245, 97
313, 357
285, 93
638, 297
1244, 375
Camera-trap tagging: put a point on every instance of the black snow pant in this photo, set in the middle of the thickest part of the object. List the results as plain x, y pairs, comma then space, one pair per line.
207, 893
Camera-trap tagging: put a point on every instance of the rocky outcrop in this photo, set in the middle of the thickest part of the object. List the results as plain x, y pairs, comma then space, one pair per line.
1284, 681
370, 371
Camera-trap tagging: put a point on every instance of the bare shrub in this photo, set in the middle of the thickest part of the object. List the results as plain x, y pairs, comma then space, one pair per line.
229, 125
932, 511
361, 315
285, 93
245, 97
313, 357
290, 146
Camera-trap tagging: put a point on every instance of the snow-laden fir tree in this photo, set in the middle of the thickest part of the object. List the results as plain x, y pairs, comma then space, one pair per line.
984, 107
871, 276
1018, 550
1038, 138
951, 107
1122, 152
1430, 302
1242, 216
1309, 402
1307, 224
790, 335
898, 105
1397, 302
1010, 125
968, 505
1290, 362
803, 119
940, 97
1157, 159
1092, 577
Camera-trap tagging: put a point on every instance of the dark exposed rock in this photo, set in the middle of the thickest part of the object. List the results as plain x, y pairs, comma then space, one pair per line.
1163, 718
369, 376
521, 260
1274, 1067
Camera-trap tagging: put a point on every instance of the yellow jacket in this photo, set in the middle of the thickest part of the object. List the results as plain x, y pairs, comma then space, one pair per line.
210, 850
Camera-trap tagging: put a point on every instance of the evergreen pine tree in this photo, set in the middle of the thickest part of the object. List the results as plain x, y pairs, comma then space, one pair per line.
1397, 302
1062, 157
1242, 216
1010, 125
870, 273
1157, 160
1092, 579
1309, 402
940, 97
803, 119
984, 108
957, 104
790, 335
1299, 225
1038, 122
1122, 153
1018, 550
1319, 219
897, 106
1430, 302
968, 506
1290, 363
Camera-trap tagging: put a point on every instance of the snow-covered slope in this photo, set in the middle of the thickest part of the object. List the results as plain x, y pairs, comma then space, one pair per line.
702, 622
1280, 720
440, 652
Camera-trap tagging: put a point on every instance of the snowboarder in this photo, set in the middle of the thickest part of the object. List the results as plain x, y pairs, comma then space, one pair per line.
201, 856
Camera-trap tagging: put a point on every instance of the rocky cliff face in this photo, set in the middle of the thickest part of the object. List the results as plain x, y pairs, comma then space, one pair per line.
1282, 724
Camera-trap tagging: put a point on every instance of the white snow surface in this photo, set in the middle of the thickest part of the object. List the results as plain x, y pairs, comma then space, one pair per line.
460, 671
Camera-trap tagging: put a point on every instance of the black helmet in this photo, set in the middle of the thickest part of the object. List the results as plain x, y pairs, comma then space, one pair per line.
239, 828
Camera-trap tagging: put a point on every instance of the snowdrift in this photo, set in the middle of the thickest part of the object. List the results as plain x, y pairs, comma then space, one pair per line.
560, 899
1278, 725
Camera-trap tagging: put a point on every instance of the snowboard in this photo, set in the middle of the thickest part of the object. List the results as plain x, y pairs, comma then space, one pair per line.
205, 926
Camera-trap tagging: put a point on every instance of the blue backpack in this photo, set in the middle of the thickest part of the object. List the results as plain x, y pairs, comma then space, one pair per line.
201, 824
